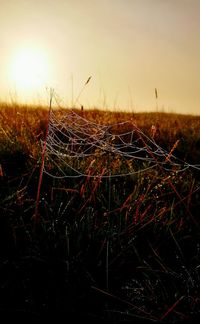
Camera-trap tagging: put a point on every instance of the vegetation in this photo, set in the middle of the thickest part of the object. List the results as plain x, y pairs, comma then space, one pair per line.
118, 250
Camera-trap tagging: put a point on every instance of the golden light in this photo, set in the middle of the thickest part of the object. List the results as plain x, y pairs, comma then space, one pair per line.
29, 70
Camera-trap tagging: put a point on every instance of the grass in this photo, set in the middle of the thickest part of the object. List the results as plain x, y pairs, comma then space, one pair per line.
107, 250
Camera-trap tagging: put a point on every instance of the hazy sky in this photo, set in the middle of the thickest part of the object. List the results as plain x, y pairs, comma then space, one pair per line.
129, 47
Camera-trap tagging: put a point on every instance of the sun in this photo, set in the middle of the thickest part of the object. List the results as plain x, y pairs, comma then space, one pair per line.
29, 70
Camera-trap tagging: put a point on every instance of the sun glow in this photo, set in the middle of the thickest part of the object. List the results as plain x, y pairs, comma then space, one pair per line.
29, 71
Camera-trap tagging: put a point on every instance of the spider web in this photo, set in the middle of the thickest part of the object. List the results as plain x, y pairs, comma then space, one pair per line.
77, 147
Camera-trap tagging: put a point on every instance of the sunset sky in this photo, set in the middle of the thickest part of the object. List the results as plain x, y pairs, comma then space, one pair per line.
128, 47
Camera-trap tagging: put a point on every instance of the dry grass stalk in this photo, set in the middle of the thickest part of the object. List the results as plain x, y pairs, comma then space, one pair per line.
172, 150
1, 171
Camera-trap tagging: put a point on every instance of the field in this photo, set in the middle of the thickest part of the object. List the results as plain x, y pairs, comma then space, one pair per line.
107, 233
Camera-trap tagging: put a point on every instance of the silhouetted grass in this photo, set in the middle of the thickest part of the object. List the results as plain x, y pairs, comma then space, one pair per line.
107, 251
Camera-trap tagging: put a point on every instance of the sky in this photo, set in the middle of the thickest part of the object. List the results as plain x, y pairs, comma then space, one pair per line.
129, 48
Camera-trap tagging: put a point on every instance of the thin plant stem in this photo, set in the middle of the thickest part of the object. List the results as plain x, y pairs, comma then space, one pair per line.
36, 215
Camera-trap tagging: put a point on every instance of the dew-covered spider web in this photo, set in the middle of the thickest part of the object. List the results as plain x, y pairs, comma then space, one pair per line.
77, 147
